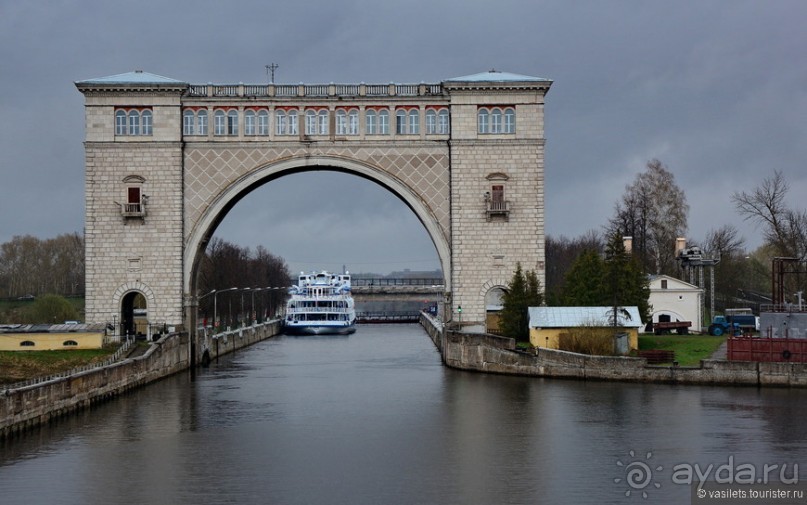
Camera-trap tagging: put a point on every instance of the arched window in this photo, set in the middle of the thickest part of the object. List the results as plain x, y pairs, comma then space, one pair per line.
120, 122
249, 122
220, 124
202, 122
370, 122
27, 343
188, 120
280, 122
414, 121
323, 122
134, 123
292, 122
146, 120
353, 122
431, 122
443, 122
400, 122
341, 122
509, 120
482, 120
496, 121
383, 122
263, 122
310, 122
232, 122
70, 343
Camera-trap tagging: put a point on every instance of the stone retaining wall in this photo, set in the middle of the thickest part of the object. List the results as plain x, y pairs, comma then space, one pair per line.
34, 405
490, 353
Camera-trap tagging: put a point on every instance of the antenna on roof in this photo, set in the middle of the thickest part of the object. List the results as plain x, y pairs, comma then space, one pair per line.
270, 72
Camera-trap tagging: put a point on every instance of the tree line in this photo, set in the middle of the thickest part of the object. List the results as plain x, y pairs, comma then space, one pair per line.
30, 266
35, 269
595, 269
653, 211
227, 266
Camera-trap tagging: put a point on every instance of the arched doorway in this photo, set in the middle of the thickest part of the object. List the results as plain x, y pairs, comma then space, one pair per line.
134, 315
494, 302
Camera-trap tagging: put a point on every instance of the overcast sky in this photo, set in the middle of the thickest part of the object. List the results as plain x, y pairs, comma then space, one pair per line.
717, 90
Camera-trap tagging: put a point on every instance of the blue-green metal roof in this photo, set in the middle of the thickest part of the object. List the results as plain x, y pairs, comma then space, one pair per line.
496, 76
571, 317
136, 77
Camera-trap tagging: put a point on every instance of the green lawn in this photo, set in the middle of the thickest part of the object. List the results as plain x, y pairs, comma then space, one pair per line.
689, 349
18, 366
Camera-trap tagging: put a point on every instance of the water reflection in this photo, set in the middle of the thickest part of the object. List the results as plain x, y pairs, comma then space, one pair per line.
375, 418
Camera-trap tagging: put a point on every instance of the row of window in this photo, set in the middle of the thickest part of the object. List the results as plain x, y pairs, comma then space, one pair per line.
138, 121
133, 121
496, 120
317, 122
31, 343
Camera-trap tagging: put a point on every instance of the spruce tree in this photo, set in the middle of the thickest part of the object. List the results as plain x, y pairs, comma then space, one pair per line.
524, 291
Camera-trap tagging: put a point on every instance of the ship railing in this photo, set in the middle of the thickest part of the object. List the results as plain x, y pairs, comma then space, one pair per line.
296, 310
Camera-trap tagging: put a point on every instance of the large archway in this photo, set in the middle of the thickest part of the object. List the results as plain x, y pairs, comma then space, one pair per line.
166, 160
230, 196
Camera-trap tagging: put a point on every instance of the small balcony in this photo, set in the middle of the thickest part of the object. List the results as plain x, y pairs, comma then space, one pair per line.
497, 208
133, 210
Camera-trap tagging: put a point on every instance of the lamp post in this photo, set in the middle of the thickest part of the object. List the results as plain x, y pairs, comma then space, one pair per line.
242, 305
215, 294
253, 316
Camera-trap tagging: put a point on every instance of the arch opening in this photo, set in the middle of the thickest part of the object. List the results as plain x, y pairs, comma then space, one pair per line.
134, 315
209, 221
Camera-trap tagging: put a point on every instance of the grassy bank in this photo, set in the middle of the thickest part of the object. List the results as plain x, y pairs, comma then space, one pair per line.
18, 366
689, 349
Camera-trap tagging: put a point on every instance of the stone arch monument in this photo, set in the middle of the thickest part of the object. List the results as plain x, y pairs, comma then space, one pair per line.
166, 159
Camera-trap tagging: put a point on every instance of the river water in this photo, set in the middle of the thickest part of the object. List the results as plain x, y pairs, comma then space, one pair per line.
374, 418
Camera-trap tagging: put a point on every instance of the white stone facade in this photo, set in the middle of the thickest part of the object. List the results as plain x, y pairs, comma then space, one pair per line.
187, 181
676, 299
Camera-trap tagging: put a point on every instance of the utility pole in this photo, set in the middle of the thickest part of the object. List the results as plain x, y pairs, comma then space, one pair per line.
270, 72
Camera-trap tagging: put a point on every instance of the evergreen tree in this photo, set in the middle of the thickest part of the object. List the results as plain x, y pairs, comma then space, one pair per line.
524, 291
584, 284
626, 283
616, 281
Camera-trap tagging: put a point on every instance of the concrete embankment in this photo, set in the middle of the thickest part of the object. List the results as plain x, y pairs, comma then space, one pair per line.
36, 404
493, 354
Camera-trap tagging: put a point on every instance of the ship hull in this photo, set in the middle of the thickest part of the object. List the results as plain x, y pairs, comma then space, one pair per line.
315, 329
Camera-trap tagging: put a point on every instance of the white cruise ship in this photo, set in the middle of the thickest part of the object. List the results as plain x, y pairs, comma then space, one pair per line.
320, 304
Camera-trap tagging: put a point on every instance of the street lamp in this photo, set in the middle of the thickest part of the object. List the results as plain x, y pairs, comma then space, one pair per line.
242, 305
215, 294
252, 314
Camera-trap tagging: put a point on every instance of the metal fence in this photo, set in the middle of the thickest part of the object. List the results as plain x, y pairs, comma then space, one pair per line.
116, 356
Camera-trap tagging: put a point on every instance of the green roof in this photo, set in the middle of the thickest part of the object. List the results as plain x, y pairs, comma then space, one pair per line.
136, 77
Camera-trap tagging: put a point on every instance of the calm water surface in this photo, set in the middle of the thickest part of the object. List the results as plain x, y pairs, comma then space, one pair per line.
374, 418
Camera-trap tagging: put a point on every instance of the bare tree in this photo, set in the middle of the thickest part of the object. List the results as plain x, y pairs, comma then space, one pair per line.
731, 277
31, 266
227, 265
785, 229
653, 210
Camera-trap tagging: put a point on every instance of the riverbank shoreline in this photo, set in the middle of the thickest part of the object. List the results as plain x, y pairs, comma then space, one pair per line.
30, 406
494, 354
